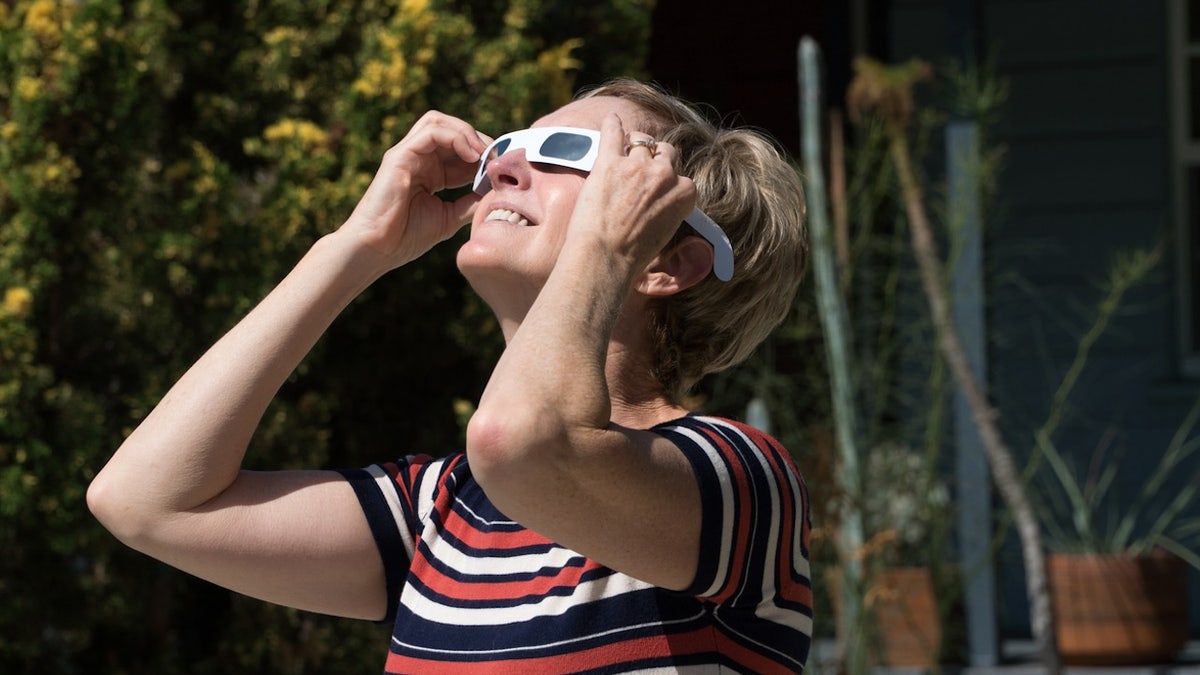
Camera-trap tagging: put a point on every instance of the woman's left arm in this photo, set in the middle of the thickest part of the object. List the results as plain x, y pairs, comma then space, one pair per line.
542, 443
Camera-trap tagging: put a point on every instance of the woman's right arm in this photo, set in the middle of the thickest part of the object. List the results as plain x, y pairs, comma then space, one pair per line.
175, 488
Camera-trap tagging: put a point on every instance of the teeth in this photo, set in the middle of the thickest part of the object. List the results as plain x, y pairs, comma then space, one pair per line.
511, 216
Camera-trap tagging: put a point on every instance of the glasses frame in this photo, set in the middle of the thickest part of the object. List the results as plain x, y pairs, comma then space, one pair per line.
533, 141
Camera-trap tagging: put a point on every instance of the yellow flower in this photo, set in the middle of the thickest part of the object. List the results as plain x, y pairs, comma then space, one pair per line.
556, 65
28, 88
58, 171
414, 6
305, 132
43, 21
9, 130
280, 130
382, 79
18, 301
417, 14
279, 35
205, 185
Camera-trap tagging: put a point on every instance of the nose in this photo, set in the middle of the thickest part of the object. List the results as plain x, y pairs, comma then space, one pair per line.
509, 170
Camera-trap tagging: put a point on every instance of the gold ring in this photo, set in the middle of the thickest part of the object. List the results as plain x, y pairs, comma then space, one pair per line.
649, 144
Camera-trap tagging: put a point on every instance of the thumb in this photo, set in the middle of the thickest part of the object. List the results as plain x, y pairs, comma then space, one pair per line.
460, 211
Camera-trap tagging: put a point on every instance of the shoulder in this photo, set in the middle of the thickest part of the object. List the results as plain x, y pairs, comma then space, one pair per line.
733, 443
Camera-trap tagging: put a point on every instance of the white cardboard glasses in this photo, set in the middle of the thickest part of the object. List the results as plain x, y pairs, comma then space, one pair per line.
577, 149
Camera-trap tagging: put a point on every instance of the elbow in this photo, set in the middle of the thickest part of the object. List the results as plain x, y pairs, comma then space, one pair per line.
506, 446
489, 445
111, 505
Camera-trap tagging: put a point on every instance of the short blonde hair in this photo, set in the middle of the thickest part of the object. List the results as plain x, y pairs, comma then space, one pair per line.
744, 183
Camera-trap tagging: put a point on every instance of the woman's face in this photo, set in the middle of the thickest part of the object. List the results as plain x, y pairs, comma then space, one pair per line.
519, 226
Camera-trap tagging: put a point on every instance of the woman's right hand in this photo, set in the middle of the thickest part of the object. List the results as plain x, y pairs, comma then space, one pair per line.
400, 215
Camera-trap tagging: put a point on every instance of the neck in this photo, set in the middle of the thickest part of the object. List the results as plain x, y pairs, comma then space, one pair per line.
637, 399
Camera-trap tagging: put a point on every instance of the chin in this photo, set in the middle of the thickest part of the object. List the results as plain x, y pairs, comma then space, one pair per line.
506, 288
477, 261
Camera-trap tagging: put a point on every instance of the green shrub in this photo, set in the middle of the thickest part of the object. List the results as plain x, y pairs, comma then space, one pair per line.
161, 166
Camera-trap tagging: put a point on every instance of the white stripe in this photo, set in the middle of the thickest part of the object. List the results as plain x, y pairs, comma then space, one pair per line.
769, 572
767, 610
727, 514
799, 559
387, 487
705, 669
549, 645
585, 592
483, 521
423, 494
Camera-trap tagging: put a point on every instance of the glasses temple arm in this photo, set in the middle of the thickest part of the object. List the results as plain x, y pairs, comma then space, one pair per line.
722, 249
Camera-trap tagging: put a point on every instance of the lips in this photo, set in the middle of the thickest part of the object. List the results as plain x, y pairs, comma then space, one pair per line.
510, 216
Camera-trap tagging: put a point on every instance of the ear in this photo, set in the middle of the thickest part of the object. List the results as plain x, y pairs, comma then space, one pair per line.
677, 268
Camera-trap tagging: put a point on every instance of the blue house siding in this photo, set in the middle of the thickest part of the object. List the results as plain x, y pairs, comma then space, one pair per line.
1086, 175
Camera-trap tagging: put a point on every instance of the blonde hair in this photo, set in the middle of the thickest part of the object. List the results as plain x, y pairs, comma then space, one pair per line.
745, 184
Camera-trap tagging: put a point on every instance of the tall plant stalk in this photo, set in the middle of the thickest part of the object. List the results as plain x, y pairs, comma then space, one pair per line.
888, 91
835, 325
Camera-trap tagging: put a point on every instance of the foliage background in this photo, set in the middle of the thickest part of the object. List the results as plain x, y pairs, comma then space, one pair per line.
162, 164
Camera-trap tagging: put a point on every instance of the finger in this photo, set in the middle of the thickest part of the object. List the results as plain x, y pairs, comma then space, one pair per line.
640, 141
665, 151
461, 139
460, 211
436, 131
612, 136
459, 172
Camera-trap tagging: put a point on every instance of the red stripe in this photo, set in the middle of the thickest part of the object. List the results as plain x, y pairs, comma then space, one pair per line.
781, 465
747, 658
465, 531
489, 589
737, 557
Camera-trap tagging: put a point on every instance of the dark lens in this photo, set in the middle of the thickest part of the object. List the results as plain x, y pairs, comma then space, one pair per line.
563, 145
500, 147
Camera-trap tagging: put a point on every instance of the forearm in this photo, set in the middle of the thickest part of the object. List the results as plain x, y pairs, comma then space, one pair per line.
191, 446
551, 380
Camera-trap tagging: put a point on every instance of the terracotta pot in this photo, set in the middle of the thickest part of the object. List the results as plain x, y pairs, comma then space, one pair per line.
1118, 609
906, 614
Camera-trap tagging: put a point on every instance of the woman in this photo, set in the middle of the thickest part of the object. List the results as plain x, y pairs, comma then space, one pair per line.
591, 524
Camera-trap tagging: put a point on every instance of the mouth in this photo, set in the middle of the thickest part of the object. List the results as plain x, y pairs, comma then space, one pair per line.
509, 216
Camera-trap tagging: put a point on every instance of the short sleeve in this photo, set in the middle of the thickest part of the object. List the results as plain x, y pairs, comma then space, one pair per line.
755, 523
396, 497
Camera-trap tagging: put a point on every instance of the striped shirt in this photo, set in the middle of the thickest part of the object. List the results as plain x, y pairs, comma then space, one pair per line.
472, 591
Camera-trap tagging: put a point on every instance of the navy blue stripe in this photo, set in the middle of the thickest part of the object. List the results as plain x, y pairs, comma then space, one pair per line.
712, 508
547, 571
585, 626
385, 532
749, 593
787, 643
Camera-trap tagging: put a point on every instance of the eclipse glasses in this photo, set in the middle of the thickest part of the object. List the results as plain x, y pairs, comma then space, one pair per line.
577, 149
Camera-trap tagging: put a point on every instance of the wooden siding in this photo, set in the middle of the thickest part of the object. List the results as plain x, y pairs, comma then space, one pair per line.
1086, 175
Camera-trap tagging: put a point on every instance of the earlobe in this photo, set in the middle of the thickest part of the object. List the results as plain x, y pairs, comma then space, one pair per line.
678, 268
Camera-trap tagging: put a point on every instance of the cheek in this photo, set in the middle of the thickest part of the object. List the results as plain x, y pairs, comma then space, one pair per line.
561, 198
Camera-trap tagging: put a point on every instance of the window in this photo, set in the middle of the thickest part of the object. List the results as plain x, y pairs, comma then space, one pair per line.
1184, 20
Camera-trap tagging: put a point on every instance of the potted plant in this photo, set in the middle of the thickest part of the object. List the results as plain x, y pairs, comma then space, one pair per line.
1118, 580
1118, 576
905, 508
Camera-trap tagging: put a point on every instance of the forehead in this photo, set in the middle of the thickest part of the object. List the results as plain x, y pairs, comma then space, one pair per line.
587, 113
